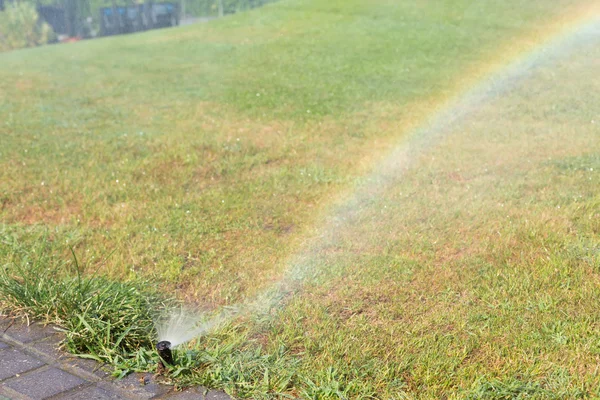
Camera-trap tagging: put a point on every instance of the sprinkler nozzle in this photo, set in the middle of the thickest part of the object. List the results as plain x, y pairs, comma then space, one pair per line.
164, 352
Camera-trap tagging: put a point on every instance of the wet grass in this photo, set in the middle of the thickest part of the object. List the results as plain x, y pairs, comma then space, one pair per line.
204, 159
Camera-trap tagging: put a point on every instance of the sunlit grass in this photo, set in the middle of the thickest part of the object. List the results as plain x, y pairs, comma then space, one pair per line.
206, 158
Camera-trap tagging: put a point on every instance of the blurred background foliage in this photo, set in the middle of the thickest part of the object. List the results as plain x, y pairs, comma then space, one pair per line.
192, 8
22, 25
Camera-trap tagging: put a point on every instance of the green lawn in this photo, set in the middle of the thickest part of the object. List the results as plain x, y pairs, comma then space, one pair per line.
216, 160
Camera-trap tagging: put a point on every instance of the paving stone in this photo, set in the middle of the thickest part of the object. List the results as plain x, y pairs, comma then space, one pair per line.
87, 365
15, 362
214, 395
89, 393
26, 334
188, 394
141, 385
44, 383
50, 347
197, 393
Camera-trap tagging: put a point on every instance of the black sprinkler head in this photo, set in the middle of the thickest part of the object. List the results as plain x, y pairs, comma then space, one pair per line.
164, 351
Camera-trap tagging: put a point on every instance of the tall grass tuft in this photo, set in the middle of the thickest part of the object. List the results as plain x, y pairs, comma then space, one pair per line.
105, 320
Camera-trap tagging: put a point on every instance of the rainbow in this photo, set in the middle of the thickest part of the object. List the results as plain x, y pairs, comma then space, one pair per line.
486, 80
480, 83
518, 53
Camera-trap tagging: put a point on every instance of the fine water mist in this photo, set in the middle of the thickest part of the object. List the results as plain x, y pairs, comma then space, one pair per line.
181, 326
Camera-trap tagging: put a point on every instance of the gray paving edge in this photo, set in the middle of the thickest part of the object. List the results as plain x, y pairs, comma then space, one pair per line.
33, 367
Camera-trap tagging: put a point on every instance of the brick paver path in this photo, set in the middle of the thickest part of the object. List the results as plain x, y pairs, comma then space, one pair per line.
31, 368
